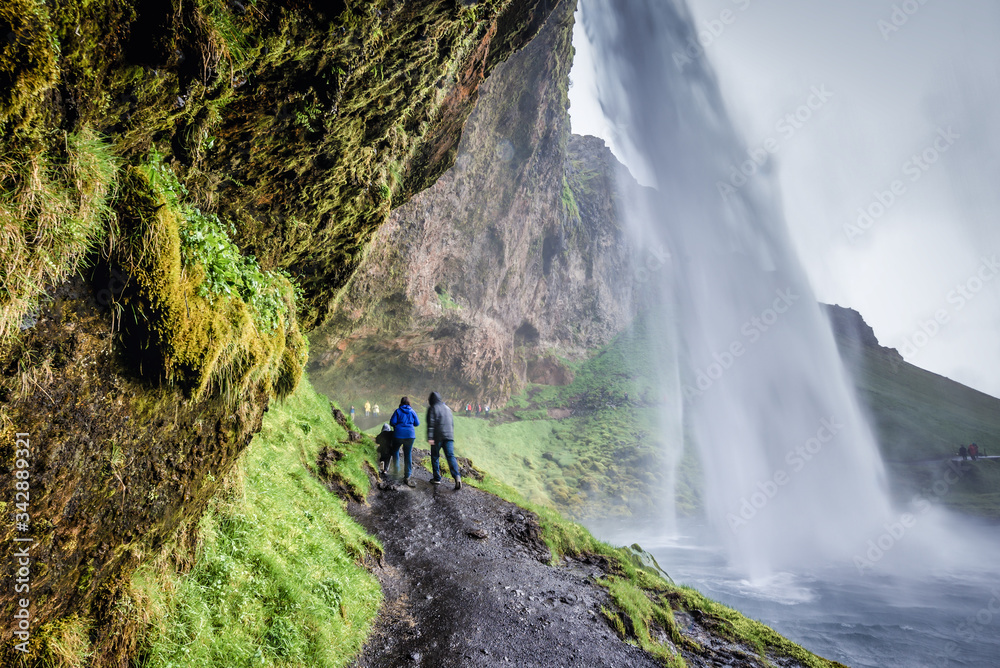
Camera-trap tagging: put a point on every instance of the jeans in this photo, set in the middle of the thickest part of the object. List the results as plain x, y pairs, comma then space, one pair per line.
407, 444
449, 454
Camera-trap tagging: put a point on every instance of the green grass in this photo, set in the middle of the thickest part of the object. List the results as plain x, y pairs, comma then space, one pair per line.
279, 578
920, 417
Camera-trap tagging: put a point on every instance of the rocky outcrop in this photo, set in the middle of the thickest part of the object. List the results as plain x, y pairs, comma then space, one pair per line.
853, 335
517, 250
198, 159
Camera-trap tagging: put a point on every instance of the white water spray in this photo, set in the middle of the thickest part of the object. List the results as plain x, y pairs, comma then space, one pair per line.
792, 472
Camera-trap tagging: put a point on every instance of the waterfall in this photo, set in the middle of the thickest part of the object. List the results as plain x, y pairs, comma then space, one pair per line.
792, 472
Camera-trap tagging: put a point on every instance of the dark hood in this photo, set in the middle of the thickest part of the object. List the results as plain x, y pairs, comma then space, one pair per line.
435, 398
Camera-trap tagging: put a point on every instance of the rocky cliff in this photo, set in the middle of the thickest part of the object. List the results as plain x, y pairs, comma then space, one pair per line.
184, 188
515, 253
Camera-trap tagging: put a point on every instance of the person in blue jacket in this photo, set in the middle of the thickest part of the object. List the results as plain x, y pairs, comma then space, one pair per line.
404, 423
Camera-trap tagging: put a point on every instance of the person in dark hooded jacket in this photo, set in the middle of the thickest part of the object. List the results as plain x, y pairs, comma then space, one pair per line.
404, 422
387, 449
441, 434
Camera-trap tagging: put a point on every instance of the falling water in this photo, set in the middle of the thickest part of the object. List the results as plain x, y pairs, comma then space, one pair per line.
792, 473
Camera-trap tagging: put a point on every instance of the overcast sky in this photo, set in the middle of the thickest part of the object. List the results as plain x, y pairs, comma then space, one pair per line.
922, 82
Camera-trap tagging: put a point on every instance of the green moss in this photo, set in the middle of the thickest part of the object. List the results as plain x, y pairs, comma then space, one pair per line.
64, 643
27, 60
202, 341
570, 207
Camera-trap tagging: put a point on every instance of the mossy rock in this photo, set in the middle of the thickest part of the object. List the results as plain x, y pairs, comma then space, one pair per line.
27, 60
175, 333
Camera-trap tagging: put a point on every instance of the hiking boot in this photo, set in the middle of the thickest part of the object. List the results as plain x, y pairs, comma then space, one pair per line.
436, 481
409, 483
458, 484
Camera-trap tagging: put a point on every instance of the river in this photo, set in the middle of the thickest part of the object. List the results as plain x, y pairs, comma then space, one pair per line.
899, 614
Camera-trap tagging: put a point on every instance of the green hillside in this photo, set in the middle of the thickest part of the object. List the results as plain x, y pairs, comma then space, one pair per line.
921, 419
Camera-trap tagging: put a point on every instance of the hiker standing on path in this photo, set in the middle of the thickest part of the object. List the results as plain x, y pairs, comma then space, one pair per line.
962, 452
352, 413
368, 409
375, 408
441, 434
404, 422
974, 452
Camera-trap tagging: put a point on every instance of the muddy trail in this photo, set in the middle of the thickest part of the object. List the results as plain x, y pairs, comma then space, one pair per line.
466, 583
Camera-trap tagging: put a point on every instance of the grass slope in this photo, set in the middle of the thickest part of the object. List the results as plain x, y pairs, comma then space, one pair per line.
921, 418
279, 578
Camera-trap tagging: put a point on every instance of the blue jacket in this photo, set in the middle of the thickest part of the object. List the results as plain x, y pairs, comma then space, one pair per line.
404, 421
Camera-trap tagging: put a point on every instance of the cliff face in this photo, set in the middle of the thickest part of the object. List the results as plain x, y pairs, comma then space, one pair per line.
516, 251
184, 186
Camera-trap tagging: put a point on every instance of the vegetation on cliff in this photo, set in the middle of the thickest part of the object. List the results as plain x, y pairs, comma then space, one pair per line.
279, 573
184, 189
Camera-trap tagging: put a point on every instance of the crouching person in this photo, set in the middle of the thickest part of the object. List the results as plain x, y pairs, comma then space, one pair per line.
387, 449
441, 434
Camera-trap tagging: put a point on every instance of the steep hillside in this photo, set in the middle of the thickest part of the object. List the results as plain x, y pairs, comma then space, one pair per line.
185, 187
921, 419
515, 251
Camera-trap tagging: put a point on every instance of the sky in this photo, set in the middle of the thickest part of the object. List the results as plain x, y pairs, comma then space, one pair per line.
890, 183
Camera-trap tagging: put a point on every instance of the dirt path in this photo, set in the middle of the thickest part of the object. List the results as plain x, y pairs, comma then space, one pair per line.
465, 585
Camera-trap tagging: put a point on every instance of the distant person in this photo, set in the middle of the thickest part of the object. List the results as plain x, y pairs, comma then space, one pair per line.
441, 434
352, 413
387, 449
375, 410
404, 422
368, 409
468, 410
963, 453
486, 410
479, 409
974, 452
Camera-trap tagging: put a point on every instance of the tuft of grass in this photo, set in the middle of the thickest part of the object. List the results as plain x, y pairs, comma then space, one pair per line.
64, 643
279, 578
54, 208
